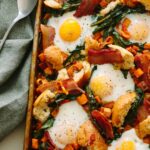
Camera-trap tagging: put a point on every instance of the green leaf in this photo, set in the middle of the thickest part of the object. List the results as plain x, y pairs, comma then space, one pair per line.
93, 104
109, 21
124, 43
69, 5
61, 97
48, 123
134, 108
125, 73
75, 55
38, 134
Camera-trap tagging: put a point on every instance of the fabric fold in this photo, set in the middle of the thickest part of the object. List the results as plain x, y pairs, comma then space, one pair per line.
15, 60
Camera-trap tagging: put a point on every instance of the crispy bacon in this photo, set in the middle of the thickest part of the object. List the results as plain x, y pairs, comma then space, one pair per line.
104, 123
104, 56
86, 8
143, 61
147, 102
68, 85
53, 86
51, 144
144, 110
71, 86
48, 34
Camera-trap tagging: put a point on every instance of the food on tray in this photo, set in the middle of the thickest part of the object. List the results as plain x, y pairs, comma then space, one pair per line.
93, 80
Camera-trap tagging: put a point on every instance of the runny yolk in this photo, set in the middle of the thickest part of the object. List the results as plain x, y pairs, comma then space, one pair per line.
70, 30
127, 145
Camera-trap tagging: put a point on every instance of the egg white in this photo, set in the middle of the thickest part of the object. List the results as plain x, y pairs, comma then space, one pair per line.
119, 83
67, 122
129, 135
139, 23
86, 30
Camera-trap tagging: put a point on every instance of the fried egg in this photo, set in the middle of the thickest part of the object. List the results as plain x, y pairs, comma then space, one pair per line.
129, 141
70, 31
109, 83
139, 28
67, 122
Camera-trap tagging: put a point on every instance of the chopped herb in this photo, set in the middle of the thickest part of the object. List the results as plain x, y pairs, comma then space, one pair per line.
93, 104
125, 73
130, 118
75, 55
48, 123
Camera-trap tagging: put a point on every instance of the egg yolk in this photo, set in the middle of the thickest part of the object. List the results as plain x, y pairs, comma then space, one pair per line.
101, 86
70, 30
139, 30
127, 145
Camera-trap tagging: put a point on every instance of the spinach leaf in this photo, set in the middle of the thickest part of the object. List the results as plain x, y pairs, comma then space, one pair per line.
44, 146
93, 104
38, 134
60, 97
109, 21
125, 73
124, 43
130, 118
48, 123
75, 55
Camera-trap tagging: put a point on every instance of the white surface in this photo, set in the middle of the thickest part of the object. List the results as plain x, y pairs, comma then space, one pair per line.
14, 141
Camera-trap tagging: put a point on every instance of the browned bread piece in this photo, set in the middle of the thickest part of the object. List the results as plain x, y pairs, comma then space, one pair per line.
89, 137
146, 3
143, 129
121, 108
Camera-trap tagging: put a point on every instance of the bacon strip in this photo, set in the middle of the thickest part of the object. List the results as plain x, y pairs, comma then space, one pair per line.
86, 8
48, 34
104, 123
143, 61
51, 144
104, 56
69, 85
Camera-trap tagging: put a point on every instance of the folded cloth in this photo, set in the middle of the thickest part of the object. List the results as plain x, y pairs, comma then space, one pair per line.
15, 60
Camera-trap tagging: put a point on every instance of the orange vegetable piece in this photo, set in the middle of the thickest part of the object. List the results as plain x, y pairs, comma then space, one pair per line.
42, 57
147, 46
138, 73
43, 139
82, 99
103, 3
54, 113
125, 24
69, 147
35, 143
98, 99
109, 40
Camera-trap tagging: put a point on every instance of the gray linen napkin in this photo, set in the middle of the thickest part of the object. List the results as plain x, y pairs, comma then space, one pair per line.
14, 67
